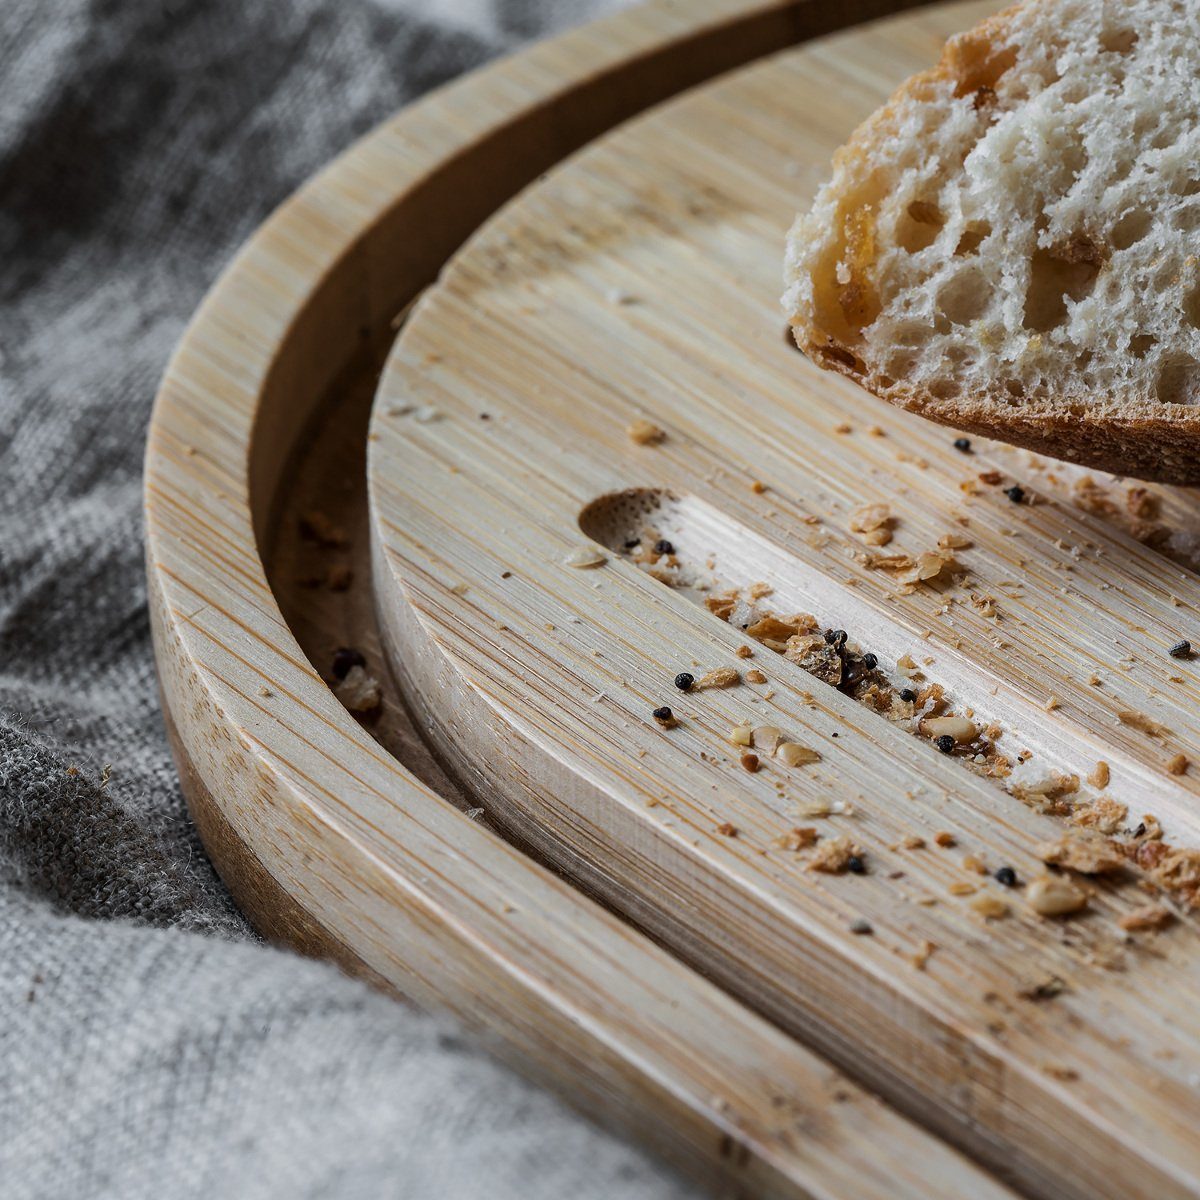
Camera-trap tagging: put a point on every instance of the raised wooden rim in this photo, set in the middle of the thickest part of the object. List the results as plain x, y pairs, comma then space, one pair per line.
405, 888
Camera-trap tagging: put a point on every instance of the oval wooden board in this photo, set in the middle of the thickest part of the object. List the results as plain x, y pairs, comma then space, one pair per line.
347, 839
639, 281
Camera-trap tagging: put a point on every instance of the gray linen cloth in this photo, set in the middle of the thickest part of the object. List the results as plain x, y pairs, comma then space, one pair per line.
150, 1046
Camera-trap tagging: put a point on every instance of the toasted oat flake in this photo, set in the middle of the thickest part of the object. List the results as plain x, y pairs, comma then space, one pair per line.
792, 754
1054, 896
585, 557
767, 737
959, 728
741, 735
645, 433
719, 677
870, 516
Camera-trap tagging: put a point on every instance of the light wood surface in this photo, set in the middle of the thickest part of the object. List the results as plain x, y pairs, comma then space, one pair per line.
639, 280
353, 845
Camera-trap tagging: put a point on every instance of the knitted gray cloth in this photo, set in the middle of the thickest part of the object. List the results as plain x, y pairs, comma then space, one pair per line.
149, 1045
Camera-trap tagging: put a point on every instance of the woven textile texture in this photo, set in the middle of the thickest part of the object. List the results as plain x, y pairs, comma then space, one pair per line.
150, 1046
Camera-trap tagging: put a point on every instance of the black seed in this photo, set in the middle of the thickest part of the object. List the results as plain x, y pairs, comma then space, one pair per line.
836, 638
1006, 876
662, 546
1140, 830
684, 680
855, 865
662, 714
1181, 650
945, 743
963, 445
870, 661
833, 735
908, 694
861, 927
485, 416
1016, 493
632, 543
344, 659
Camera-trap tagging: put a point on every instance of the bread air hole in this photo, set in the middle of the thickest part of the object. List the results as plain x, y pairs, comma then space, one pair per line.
965, 297
978, 65
1130, 229
1185, 186
1191, 306
1053, 280
918, 226
971, 238
1179, 381
1118, 41
1141, 344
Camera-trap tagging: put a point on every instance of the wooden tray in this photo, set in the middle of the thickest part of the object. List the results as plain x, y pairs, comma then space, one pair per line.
639, 280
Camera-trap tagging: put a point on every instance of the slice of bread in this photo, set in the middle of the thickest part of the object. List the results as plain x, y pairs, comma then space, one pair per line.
1011, 245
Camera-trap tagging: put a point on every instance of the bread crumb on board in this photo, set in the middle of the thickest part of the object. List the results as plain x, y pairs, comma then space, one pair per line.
645, 433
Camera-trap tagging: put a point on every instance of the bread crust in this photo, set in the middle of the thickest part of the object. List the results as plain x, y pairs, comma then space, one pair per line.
1120, 434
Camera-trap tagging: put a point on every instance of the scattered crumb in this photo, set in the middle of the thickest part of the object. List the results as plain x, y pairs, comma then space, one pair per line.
767, 737
944, 839
989, 907
719, 677
800, 838
645, 433
972, 862
358, 691
750, 763
844, 427
755, 676
922, 954
741, 735
1104, 815
744, 652
1058, 1071
757, 487
1177, 765
960, 887
1150, 916
1088, 854
1052, 703
265, 691
835, 855
727, 830
861, 927
317, 527
1100, 775
1139, 720
910, 841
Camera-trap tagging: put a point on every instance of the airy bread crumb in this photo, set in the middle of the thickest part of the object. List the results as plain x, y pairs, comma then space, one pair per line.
1008, 245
